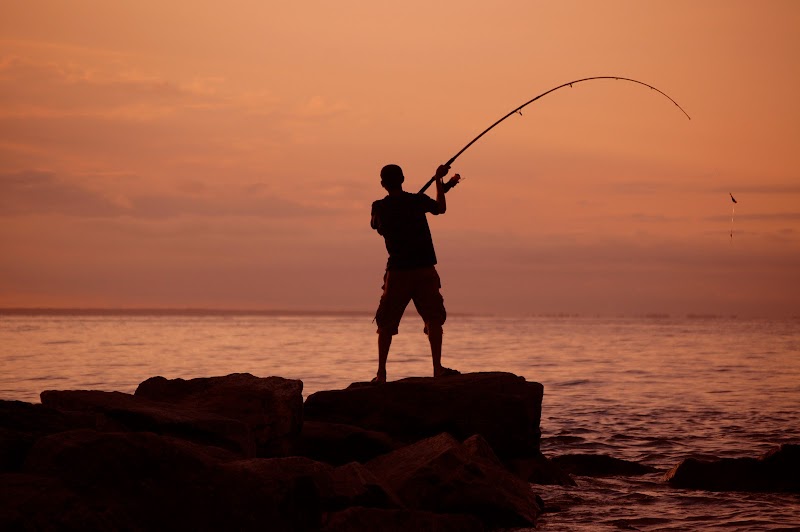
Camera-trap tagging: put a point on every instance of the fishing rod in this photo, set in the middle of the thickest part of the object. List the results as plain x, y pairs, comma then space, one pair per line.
454, 181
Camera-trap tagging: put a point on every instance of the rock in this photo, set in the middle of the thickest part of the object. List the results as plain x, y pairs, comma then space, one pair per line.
39, 420
142, 481
22, 423
441, 475
599, 465
358, 519
777, 470
267, 491
354, 485
330, 488
271, 407
124, 412
35, 502
501, 407
480, 449
539, 470
339, 444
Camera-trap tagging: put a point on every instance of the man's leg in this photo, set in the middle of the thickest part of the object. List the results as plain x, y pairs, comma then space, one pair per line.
396, 295
435, 339
384, 343
430, 305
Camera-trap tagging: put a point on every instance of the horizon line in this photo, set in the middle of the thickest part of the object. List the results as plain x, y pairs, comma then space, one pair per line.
206, 311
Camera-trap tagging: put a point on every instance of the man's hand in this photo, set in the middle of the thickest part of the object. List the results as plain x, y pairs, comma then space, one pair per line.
442, 171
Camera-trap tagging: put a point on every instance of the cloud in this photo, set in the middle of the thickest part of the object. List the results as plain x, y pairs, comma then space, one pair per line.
29, 88
35, 192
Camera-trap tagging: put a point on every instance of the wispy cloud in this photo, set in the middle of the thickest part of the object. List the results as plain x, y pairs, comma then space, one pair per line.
38, 193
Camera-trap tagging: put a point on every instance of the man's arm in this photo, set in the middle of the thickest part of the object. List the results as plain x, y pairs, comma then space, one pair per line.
440, 197
375, 219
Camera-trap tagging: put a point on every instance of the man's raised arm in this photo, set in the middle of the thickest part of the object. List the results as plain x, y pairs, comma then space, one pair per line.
440, 198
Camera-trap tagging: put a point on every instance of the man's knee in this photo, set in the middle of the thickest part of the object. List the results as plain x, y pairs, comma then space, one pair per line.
433, 328
391, 331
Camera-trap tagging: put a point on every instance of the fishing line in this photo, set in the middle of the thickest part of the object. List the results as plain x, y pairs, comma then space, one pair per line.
518, 110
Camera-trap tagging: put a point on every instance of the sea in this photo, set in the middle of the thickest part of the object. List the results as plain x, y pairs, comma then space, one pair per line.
654, 389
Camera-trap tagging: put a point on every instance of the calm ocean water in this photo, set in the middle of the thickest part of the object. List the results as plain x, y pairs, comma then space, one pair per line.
654, 390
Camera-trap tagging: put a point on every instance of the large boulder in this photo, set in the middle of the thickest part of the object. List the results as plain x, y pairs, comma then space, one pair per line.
117, 411
442, 475
777, 470
503, 408
271, 407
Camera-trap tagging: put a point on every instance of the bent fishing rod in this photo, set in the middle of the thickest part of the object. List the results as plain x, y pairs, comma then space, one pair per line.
453, 182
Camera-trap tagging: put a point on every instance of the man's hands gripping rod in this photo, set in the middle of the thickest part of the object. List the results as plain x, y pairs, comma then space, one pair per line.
440, 173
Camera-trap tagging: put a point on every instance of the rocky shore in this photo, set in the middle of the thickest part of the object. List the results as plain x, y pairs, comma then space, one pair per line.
247, 453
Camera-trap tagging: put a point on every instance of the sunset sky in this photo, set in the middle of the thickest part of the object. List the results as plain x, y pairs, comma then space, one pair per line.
178, 153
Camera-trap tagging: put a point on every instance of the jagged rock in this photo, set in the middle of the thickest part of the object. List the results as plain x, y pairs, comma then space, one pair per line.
358, 519
480, 449
354, 485
439, 474
502, 407
328, 488
271, 407
600, 465
124, 412
539, 469
339, 444
777, 470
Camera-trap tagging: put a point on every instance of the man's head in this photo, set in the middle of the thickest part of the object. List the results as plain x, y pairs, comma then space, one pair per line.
392, 177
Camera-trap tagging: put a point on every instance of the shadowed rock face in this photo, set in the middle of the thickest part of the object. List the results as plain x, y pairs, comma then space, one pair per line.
21, 424
271, 407
142, 481
777, 470
117, 411
503, 408
442, 475
338, 444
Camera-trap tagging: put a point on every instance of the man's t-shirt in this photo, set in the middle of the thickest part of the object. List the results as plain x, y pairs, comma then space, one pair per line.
401, 220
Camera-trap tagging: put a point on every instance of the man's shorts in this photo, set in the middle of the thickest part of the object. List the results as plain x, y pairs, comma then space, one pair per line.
421, 286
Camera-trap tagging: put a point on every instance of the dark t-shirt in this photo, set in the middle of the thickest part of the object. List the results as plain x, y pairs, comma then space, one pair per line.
401, 220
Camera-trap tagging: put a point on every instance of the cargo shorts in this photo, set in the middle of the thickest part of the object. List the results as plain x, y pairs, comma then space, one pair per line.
420, 285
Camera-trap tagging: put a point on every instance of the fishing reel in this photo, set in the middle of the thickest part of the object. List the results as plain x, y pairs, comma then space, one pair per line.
453, 181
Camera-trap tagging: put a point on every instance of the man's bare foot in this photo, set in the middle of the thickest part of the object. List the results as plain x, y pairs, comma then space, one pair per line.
444, 372
380, 378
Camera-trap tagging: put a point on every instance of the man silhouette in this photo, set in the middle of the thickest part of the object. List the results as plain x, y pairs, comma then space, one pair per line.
410, 275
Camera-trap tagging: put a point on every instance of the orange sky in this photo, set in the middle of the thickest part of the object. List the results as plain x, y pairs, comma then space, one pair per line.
209, 154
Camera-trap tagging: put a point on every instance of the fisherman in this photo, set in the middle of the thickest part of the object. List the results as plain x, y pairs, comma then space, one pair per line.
410, 271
